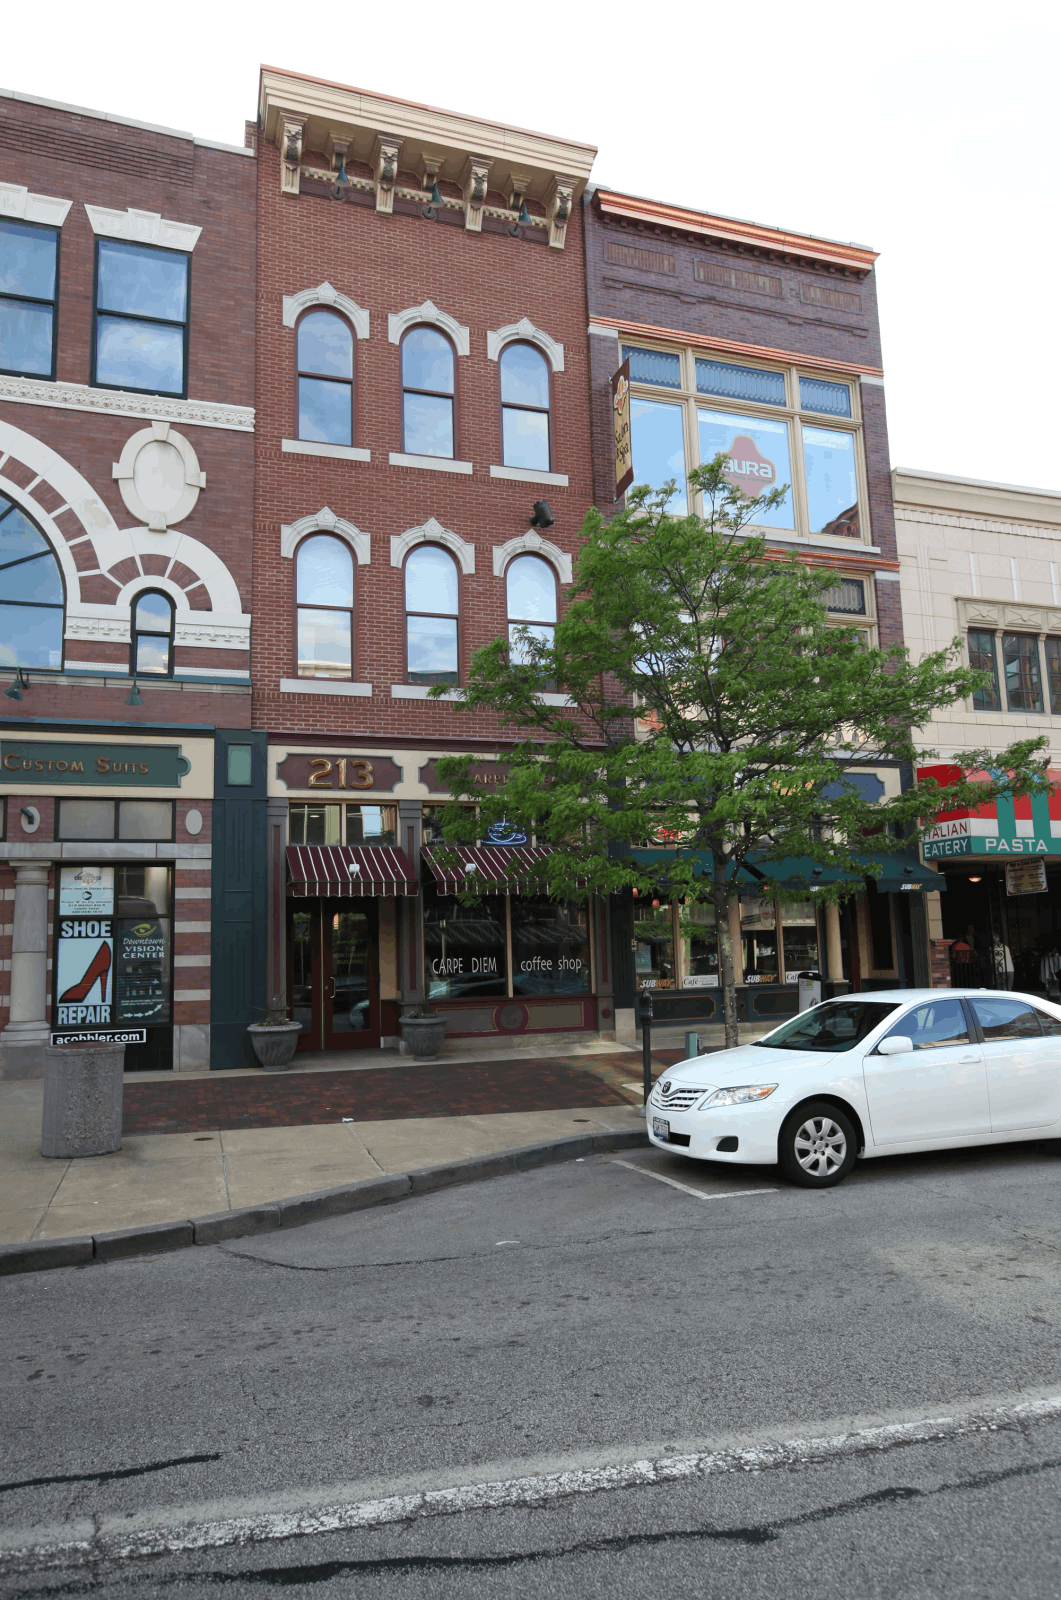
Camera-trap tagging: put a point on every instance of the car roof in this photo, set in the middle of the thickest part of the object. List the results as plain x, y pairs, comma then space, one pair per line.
906, 997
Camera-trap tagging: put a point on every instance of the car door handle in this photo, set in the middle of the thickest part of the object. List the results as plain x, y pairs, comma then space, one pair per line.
963, 1060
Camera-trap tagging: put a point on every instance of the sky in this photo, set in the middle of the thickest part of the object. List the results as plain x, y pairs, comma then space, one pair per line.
928, 131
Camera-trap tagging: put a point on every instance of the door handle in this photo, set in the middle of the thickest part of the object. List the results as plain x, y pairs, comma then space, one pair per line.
331, 995
964, 1060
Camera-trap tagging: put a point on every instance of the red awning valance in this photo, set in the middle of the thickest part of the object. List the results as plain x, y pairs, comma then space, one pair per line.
504, 867
348, 869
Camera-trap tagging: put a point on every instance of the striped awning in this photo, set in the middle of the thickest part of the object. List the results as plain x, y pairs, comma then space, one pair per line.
503, 868
349, 869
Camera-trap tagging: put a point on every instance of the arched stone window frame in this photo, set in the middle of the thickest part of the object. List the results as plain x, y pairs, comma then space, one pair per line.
524, 332
325, 297
326, 521
399, 323
532, 544
432, 532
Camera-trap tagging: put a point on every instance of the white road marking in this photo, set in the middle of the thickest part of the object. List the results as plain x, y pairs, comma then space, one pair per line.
114, 1537
726, 1194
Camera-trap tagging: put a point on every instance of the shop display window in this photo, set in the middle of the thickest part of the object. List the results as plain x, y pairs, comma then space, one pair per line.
758, 926
341, 824
431, 823
550, 946
799, 940
697, 925
115, 819
654, 965
464, 947
114, 946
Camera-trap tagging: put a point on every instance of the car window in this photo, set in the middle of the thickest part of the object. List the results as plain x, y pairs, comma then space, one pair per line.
836, 1025
1050, 1025
933, 1025
1006, 1019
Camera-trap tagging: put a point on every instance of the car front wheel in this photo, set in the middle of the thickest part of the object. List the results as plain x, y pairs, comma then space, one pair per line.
818, 1145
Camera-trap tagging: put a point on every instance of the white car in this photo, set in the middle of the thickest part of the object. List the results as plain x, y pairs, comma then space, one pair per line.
876, 1074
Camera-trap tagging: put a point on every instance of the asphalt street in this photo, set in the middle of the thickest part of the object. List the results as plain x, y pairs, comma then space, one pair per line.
578, 1381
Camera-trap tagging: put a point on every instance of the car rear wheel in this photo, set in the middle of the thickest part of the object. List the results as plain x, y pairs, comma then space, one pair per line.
818, 1145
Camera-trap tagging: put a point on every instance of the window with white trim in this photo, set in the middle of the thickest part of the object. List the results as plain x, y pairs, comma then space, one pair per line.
525, 420
325, 345
29, 285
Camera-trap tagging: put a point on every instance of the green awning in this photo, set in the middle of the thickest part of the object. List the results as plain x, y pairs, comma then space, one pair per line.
900, 870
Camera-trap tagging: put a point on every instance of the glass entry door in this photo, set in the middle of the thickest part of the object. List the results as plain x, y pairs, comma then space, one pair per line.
333, 957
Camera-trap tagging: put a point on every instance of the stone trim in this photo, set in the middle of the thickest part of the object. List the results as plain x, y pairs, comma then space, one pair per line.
325, 295
143, 227
117, 403
325, 521
334, 452
974, 524
532, 544
999, 614
524, 329
17, 202
399, 321
554, 480
397, 458
124, 470
360, 691
420, 691
432, 532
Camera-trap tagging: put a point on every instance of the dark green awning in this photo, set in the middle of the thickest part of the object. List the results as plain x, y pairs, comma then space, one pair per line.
899, 871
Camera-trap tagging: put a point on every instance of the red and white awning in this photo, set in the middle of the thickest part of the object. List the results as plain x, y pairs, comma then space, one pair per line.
501, 868
348, 869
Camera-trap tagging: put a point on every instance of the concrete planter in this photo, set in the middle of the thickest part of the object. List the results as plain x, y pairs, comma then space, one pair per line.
424, 1035
274, 1045
82, 1100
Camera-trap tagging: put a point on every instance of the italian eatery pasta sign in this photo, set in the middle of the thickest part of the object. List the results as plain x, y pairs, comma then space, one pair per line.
1006, 828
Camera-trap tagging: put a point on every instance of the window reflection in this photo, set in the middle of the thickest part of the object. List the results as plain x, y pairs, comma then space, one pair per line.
832, 489
550, 946
431, 616
427, 393
28, 257
141, 317
464, 947
324, 586
325, 379
757, 449
31, 611
658, 442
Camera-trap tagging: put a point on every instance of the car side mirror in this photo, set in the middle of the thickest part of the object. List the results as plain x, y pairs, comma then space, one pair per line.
896, 1044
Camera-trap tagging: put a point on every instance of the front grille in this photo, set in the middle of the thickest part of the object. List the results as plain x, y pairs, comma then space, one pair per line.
680, 1099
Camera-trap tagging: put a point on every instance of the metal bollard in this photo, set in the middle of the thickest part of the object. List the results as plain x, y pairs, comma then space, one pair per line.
692, 1044
646, 1043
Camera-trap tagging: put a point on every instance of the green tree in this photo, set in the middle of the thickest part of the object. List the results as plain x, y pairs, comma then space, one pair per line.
710, 703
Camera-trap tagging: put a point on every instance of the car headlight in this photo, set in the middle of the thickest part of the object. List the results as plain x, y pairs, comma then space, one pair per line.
741, 1096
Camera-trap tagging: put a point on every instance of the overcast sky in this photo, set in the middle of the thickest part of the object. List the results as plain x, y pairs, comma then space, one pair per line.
928, 131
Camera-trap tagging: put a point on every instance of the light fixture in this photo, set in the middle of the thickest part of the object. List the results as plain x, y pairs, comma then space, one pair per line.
542, 515
975, 880
436, 198
18, 683
134, 696
524, 214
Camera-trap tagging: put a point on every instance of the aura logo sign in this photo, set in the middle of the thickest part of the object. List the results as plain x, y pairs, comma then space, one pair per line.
749, 470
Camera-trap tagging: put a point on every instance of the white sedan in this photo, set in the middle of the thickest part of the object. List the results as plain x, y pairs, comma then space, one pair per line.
875, 1074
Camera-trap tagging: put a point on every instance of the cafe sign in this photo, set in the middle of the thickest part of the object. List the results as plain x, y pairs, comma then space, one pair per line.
302, 770
33, 763
487, 777
624, 455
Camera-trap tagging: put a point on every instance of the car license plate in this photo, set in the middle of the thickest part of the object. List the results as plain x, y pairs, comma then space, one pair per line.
660, 1128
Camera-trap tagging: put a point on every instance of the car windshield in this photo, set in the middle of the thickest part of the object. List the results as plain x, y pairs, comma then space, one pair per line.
837, 1025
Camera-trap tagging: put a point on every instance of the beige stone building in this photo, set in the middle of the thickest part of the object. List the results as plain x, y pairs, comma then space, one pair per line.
982, 562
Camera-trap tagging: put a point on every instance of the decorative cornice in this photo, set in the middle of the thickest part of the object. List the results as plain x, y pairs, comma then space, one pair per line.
703, 341
17, 202
325, 521
524, 329
432, 532
116, 403
1008, 614
325, 295
143, 227
770, 241
532, 544
399, 321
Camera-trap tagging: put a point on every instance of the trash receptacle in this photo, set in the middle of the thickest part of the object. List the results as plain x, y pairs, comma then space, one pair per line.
692, 1044
82, 1100
810, 990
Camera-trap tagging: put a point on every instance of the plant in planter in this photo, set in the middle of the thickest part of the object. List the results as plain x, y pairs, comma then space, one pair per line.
275, 1039
424, 1030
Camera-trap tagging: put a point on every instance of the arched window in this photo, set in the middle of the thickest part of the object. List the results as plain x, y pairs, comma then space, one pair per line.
31, 594
427, 393
530, 585
325, 379
152, 634
431, 615
324, 597
524, 407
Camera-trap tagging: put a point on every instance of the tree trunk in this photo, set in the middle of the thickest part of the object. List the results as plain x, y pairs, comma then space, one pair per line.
721, 898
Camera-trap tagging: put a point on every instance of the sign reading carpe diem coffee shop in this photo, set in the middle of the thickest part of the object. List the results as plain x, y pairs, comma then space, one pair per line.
149, 766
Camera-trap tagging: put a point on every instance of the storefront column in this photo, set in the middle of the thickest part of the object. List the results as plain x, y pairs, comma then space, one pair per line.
411, 909
276, 834
833, 952
28, 1028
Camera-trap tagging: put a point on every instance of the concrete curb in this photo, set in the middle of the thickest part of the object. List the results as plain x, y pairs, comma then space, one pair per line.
39, 1255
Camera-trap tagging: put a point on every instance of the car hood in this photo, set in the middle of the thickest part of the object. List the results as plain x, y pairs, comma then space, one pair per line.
748, 1063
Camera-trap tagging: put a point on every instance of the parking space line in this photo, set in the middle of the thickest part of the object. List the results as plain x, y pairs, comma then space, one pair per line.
729, 1194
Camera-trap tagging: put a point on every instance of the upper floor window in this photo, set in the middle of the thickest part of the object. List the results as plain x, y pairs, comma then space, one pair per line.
431, 616
141, 337
31, 594
530, 585
324, 600
524, 407
775, 426
982, 659
29, 259
325, 379
152, 632
1020, 666
428, 377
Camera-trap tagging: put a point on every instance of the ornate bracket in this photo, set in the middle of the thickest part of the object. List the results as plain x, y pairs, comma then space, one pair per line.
291, 130
558, 209
474, 180
385, 164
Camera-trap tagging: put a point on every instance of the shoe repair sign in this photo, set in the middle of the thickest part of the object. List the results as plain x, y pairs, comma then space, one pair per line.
83, 988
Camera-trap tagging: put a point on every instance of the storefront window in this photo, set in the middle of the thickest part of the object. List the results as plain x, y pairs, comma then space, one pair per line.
464, 947
658, 439
799, 933
371, 824
115, 819
431, 824
315, 824
832, 487
550, 946
114, 947
654, 947
759, 938
338, 824
700, 938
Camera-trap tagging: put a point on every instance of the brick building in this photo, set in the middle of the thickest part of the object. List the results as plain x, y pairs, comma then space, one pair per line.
126, 461
422, 383
763, 344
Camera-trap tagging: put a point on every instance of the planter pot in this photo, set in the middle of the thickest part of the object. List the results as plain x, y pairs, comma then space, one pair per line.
424, 1035
274, 1046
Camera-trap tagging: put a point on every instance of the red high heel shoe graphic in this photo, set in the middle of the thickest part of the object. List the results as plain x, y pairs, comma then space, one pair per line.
99, 967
